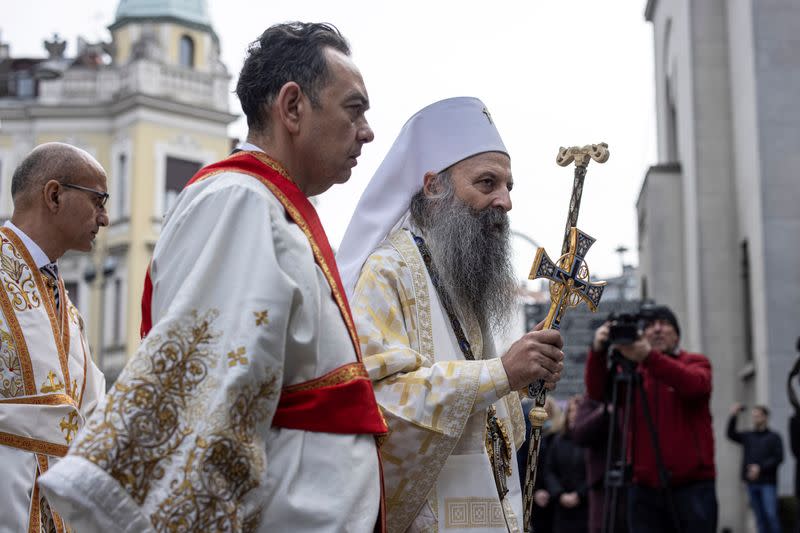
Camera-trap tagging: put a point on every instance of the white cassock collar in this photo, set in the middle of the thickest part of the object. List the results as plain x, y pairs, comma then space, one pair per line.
248, 147
435, 138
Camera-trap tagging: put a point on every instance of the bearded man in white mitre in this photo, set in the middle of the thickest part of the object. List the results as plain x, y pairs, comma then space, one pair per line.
426, 260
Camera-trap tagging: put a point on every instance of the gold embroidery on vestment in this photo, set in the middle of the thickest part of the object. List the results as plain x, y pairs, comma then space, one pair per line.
51, 384
19, 280
477, 513
237, 357
69, 424
262, 317
50, 399
11, 384
61, 341
32, 445
343, 374
150, 402
9, 312
220, 470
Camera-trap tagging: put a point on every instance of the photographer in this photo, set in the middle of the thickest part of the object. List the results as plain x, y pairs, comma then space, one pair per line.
677, 387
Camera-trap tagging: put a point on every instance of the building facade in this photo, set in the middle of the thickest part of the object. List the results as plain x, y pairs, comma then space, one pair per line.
718, 218
152, 107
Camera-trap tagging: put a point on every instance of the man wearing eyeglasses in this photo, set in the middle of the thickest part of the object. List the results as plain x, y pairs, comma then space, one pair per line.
48, 381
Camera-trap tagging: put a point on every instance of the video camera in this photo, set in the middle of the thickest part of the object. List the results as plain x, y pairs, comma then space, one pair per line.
626, 328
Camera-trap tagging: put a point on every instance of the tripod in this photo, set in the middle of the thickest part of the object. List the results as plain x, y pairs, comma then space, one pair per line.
618, 469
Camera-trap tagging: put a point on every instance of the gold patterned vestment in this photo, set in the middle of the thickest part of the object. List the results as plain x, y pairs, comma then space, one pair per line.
48, 384
184, 440
438, 476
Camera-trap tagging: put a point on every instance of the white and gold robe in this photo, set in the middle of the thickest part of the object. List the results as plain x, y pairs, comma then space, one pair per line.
48, 384
183, 441
437, 472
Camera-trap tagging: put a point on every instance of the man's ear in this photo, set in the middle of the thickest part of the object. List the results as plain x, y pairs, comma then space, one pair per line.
430, 184
289, 106
51, 192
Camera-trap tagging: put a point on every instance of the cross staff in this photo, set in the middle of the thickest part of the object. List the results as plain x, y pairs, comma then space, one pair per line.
570, 283
581, 156
569, 286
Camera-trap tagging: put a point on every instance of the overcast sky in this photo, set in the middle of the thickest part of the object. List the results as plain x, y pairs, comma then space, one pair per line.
552, 73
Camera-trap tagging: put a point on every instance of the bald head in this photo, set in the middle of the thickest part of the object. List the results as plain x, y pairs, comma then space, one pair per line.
50, 161
59, 194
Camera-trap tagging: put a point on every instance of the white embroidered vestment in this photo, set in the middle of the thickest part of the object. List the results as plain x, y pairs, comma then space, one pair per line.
437, 470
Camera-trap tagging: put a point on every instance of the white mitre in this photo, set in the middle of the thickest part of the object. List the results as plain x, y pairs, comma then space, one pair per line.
435, 138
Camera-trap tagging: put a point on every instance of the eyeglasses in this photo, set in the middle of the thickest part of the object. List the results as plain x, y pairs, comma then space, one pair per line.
103, 196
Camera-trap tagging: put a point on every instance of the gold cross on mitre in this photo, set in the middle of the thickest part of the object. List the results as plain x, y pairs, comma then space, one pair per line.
488, 115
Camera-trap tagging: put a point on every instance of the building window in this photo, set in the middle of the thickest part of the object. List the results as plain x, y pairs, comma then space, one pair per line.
748, 304
121, 193
116, 331
186, 58
179, 172
26, 87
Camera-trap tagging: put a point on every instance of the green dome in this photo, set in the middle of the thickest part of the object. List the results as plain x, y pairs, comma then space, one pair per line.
191, 12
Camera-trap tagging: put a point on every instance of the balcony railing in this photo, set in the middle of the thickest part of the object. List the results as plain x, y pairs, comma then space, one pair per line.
89, 86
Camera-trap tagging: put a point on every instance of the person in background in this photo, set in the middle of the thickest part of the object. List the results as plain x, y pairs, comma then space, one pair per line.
677, 383
565, 477
49, 383
762, 454
542, 515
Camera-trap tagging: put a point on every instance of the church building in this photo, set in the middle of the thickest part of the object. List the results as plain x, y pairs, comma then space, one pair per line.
719, 223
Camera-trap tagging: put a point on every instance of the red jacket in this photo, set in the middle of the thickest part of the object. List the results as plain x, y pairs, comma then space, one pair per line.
678, 390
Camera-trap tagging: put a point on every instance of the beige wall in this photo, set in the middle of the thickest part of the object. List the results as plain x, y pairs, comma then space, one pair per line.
147, 136
123, 40
169, 35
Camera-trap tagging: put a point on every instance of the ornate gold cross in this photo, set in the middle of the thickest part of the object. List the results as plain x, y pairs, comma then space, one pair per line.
569, 284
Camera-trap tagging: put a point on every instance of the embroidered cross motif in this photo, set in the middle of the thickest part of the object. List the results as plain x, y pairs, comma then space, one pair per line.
237, 357
73, 389
52, 384
262, 317
70, 425
488, 115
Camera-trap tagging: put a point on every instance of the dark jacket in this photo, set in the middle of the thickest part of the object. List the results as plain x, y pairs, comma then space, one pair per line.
762, 448
566, 472
794, 442
678, 390
590, 431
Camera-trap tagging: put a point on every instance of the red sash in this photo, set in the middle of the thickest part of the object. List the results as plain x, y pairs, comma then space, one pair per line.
341, 401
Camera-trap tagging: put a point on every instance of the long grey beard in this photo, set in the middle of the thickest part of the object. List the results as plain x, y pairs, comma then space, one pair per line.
471, 251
